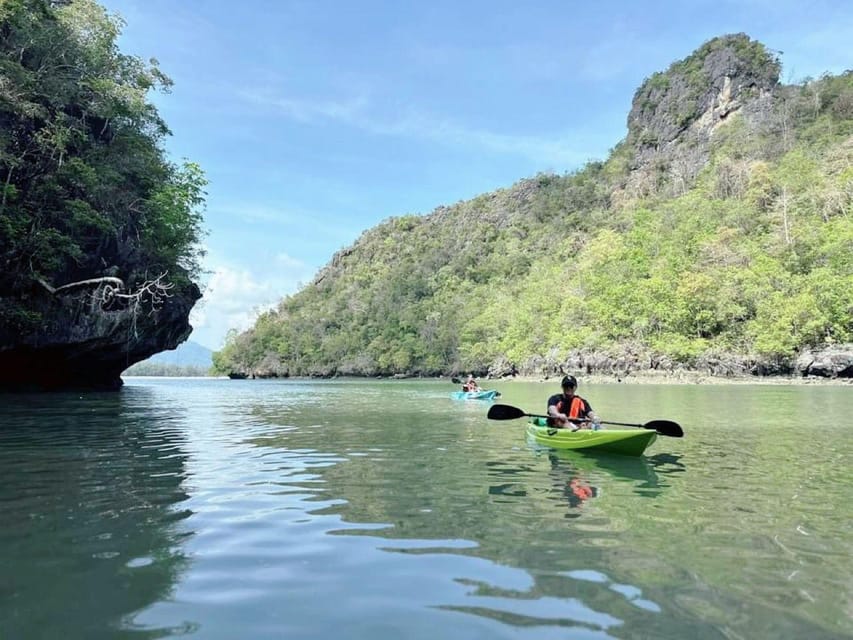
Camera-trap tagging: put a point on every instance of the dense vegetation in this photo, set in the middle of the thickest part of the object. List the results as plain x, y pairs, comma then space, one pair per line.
87, 191
750, 257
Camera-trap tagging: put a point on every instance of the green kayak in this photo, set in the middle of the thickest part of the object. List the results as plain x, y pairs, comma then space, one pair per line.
629, 442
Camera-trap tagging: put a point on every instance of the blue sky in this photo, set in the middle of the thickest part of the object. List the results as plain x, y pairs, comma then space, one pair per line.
316, 120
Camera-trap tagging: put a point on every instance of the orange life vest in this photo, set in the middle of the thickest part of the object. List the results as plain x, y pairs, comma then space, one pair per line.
575, 408
580, 489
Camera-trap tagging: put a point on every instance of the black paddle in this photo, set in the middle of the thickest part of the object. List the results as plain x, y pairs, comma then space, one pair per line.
663, 427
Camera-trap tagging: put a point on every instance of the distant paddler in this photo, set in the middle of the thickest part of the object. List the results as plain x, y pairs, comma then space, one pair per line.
470, 385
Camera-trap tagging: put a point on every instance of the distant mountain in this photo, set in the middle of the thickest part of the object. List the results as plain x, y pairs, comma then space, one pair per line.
188, 354
189, 359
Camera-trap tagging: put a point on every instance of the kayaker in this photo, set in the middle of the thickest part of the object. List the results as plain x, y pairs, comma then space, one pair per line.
562, 407
470, 384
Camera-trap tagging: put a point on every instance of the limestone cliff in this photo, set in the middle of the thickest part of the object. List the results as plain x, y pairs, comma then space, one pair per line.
91, 331
715, 238
675, 113
99, 230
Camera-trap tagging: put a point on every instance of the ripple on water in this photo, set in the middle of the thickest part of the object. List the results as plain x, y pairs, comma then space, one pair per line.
253, 511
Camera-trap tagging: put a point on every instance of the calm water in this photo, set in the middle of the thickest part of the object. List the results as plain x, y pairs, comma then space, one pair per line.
352, 509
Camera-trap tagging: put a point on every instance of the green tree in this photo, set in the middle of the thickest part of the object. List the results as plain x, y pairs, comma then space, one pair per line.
86, 188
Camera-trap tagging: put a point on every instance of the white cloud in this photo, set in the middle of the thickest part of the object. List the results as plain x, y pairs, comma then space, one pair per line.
261, 213
288, 262
302, 110
235, 296
355, 112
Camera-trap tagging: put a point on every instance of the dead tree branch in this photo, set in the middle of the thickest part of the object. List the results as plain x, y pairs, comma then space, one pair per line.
109, 290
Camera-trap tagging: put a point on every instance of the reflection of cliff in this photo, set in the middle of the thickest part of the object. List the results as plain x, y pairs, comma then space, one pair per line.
90, 489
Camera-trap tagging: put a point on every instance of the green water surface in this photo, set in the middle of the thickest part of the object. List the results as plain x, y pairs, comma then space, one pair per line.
385, 509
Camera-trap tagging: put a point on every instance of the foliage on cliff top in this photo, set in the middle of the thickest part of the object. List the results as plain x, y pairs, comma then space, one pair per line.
85, 188
669, 101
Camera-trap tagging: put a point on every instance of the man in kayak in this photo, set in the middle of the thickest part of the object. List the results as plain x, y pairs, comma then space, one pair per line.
565, 407
470, 384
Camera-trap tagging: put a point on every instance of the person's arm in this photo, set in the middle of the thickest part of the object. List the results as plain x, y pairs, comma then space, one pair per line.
554, 413
592, 416
561, 419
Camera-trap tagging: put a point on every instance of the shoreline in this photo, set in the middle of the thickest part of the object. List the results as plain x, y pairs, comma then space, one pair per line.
682, 378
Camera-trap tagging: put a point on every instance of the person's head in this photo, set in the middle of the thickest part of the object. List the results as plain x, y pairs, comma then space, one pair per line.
569, 384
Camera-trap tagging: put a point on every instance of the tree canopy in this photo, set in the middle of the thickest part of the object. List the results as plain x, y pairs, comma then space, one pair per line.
87, 189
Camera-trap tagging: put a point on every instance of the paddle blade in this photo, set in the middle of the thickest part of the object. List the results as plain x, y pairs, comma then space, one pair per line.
666, 428
504, 412
455, 380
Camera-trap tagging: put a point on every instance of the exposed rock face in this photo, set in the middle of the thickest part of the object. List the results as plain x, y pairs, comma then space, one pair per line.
271, 367
675, 113
831, 362
714, 80
502, 368
88, 336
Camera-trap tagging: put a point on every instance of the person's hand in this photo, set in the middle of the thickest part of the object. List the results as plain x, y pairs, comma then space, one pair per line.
565, 423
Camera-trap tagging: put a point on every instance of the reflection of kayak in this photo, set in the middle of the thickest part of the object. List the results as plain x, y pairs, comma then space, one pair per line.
630, 442
474, 395
636, 469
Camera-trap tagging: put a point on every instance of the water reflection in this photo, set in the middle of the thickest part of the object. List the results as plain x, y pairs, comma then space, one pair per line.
90, 492
631, 593
585, 473
416, 518
463, 515
571, 483
667, 463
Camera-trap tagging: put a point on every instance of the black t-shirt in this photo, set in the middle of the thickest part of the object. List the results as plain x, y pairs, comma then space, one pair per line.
559, 400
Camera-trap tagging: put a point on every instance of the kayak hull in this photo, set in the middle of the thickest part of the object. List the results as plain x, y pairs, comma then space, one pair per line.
474, 395
629, 442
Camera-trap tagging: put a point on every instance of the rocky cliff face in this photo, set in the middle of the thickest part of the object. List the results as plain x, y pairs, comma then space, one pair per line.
92, 208
93, 330
675, 113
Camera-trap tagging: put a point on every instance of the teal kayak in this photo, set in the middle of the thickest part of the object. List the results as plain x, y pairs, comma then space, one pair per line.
474, 395
629, 442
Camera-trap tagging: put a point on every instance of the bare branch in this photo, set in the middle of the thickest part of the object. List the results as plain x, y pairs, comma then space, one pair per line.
109, 289
45, 284
154, 292
116, 282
